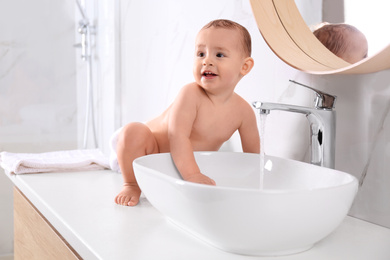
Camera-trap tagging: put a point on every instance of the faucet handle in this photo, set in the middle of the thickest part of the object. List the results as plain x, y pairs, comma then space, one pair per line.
323, 100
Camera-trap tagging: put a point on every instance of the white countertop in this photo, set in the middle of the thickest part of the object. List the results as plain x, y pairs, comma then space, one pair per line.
80, 205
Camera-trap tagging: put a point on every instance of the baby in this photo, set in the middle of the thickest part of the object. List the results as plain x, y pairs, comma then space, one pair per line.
344, 40
203, 116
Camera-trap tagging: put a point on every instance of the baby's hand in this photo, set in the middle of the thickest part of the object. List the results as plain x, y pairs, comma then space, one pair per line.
201, 178
129, 195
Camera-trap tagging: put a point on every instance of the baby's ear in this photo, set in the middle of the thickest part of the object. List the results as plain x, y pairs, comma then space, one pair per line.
247, 66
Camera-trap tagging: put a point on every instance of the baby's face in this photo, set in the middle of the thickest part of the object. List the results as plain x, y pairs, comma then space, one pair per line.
219, 57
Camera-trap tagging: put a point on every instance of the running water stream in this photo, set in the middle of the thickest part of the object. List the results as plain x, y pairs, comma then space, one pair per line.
261, 127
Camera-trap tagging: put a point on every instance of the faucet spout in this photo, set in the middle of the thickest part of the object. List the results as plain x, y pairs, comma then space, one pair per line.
265, 108
322, 129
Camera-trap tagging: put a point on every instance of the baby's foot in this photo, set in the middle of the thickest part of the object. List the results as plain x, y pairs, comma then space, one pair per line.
129, 195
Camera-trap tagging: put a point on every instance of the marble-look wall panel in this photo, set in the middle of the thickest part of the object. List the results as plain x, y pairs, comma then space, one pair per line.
37, 87
37, 75
363, 140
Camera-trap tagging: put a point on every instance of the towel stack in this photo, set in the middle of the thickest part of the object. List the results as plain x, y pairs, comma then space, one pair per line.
71, 160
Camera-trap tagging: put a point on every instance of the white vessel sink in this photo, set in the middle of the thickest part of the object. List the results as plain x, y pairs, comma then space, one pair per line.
299, 205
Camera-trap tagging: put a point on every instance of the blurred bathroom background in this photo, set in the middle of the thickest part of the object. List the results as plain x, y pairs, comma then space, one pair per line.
142, 55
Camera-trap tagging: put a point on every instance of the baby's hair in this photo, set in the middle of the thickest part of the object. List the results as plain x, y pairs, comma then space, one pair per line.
333, 36
227, 24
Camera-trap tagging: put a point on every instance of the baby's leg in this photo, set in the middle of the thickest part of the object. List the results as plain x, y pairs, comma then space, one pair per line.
135, 140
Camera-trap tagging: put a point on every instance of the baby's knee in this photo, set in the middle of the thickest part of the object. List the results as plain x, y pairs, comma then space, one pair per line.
134, 133
131, 128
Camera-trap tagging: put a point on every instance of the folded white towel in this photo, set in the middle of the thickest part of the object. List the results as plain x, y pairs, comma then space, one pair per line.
113, 156
71, 160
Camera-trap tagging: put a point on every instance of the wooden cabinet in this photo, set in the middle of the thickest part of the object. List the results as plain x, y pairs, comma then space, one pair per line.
35, 238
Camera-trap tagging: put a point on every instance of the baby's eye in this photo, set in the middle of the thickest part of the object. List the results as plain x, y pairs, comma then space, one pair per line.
220, 55
201, 54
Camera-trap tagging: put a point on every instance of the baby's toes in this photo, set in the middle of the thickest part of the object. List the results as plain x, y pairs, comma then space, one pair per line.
118, 199
133, 201
125, 200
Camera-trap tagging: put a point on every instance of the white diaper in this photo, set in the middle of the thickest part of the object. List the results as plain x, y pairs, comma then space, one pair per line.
113, 156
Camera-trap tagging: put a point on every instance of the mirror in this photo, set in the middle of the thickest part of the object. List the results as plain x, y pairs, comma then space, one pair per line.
288, 35
373, 26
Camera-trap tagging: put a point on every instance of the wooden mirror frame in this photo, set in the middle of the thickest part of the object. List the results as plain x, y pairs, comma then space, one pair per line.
287, 34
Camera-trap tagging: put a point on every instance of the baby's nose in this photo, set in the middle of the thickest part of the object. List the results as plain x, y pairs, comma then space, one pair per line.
207, 62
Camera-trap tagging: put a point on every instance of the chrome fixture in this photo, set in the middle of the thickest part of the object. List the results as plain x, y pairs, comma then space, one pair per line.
322, 119
86, 29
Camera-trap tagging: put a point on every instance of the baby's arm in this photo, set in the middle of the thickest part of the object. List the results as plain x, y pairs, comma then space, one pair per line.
250, 138
182, 116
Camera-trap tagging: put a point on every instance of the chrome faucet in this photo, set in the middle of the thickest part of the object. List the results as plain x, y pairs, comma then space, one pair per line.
322, 119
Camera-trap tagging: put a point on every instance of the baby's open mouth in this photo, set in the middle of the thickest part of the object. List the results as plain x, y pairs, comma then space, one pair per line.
208, 74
